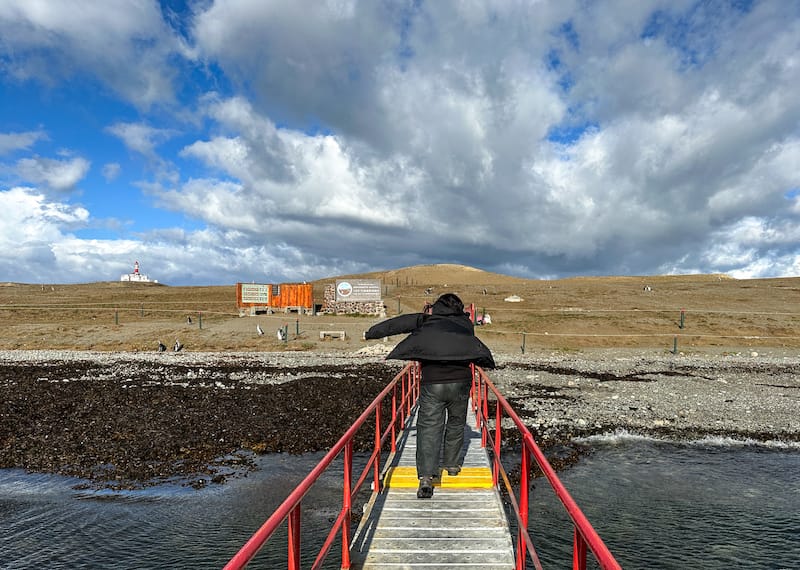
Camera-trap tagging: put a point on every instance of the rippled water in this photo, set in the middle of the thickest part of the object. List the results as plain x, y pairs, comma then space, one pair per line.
714, 504
708, 505
44, 523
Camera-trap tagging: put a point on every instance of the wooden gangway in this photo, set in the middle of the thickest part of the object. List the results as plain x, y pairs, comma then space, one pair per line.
463, 526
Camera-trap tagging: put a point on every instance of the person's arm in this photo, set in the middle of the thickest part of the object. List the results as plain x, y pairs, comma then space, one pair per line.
396, 325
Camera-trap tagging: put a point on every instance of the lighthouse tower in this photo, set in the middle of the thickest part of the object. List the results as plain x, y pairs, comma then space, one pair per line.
136, 276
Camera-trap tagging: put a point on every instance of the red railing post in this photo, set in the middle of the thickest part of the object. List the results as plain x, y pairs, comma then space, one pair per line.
293, 562
523, 508
376, 469
406, 383
347, 503
417, 383
578, 551
394, 420
477, 384
485, 409
498, 440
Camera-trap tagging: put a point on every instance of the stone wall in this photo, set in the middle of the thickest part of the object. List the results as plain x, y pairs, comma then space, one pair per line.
331, 307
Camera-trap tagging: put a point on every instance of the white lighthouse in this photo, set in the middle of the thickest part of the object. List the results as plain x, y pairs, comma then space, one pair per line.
136, 276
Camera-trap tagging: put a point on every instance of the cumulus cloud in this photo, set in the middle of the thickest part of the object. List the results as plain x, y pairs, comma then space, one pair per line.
31, 224
11, 142
539, 138
284, 176
675, 153
38, 243
141, 138
124, 43
58, 175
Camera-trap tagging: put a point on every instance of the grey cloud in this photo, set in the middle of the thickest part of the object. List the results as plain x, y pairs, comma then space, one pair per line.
142, 138
127, 45
374, 135
10, 142
111, 170
463, 96
58, 175
308, 64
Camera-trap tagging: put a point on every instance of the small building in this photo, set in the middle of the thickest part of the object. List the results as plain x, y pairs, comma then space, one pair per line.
136, 276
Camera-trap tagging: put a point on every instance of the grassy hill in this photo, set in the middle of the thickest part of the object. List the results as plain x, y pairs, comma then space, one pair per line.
567, 314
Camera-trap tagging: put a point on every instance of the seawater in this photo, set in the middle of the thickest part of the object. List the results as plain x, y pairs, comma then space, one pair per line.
46, 523
710, 504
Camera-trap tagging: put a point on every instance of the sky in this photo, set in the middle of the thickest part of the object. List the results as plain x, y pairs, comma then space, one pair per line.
225, 141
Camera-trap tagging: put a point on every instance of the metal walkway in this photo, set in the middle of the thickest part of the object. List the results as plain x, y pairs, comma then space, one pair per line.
463, 526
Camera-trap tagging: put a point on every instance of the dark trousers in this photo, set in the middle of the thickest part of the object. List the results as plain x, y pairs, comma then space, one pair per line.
442, 411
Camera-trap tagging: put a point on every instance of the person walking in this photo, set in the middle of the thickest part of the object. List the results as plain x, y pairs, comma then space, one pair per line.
443, 341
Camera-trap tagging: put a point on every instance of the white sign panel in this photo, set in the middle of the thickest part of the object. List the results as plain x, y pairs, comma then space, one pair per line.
256, 294
358, 290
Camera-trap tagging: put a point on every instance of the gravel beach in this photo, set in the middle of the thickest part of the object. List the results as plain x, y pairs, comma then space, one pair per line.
128, 419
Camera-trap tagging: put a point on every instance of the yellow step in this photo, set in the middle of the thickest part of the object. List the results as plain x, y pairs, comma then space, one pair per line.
469, 478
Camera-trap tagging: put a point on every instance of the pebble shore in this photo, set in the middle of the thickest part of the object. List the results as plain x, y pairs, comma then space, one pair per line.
745, 396
742, 395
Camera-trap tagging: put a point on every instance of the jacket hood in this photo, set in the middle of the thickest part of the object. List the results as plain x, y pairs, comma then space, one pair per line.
440, 308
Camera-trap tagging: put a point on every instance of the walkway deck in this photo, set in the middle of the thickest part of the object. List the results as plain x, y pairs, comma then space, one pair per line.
462, 527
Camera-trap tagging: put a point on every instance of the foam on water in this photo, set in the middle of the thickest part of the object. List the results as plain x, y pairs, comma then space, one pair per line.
622, 436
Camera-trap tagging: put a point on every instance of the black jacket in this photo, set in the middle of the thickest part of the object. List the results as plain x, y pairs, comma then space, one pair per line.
443, 336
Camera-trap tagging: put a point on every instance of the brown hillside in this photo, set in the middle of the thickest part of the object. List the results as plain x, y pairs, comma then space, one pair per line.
719, 313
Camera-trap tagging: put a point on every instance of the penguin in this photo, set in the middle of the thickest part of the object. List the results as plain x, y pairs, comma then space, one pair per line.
161, 347
259, 330
178, 346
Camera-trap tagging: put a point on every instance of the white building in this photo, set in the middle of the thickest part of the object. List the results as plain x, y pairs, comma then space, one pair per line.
136, 276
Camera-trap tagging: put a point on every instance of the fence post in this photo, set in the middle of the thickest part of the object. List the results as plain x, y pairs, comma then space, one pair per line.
523, 343
675, 345
200, 319
683, 317
116, 316
142, 310
297, 327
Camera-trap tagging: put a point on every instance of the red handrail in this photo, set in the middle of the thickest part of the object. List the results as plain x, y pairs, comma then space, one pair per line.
584, 534
408, 381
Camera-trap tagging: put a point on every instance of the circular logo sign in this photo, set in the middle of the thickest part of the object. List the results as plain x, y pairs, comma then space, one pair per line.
344, 289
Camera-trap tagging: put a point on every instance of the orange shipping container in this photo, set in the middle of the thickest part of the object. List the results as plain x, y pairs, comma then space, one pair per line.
283, 296
292, 295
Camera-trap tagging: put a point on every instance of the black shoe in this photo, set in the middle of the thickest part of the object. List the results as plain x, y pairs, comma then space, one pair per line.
453, 471
425, 490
